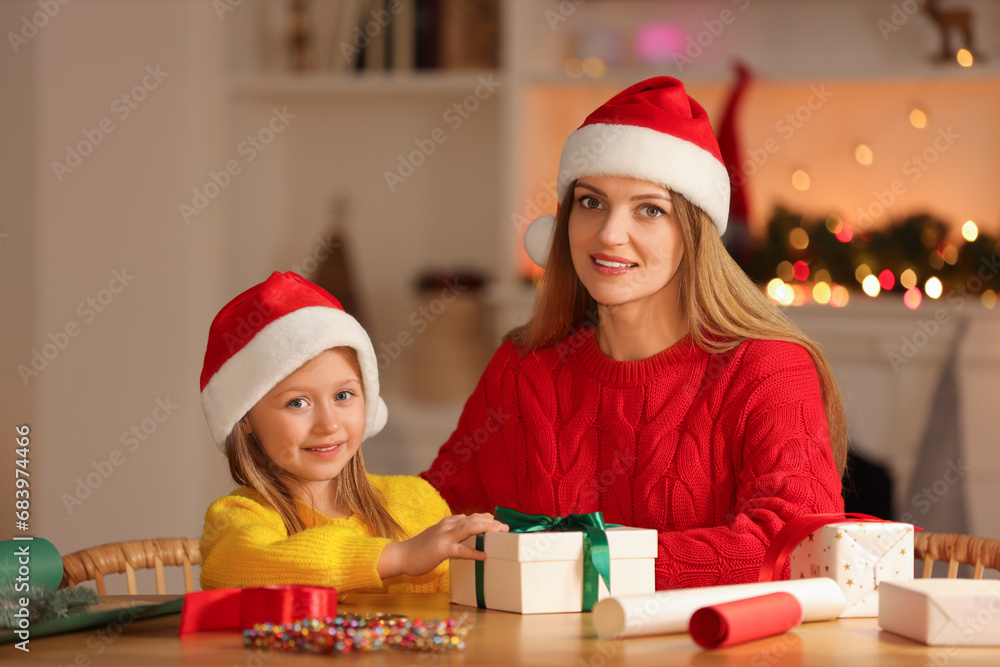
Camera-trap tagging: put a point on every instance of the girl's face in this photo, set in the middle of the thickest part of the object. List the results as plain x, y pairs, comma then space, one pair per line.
311, 423
625, 242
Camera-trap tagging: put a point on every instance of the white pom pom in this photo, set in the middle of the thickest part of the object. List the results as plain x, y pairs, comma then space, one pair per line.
538, 238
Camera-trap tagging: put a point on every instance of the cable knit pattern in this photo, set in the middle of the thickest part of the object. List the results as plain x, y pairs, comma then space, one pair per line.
245, 543
715, 452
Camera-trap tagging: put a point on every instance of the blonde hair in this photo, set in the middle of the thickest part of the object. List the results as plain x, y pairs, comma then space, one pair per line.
721, 306
250, 466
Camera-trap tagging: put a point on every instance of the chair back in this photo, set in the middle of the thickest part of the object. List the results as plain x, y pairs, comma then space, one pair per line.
127, 557
954, 549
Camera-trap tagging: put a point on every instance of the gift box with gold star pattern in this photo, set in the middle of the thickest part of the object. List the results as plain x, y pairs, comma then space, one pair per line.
858, 556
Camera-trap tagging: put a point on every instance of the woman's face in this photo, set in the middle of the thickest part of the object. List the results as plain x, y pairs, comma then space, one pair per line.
625, 242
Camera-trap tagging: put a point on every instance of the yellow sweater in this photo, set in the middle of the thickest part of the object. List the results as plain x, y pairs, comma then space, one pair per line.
245, 543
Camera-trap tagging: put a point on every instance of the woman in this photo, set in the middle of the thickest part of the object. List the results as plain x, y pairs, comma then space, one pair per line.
654, 381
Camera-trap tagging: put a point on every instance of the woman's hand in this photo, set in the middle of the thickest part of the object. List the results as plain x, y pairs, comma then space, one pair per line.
422, 553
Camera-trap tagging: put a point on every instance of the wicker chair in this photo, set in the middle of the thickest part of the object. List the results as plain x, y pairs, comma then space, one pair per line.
954, 549
127, 557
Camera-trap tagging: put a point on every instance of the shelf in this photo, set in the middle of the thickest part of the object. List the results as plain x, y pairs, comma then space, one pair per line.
387, 84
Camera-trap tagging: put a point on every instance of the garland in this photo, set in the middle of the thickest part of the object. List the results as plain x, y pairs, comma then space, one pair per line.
919, 243
44, 603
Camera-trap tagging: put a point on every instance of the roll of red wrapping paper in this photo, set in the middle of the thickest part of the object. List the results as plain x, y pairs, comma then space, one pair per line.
241, 608
739, 621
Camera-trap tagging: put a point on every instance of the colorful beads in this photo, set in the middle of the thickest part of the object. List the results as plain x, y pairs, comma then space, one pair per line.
361, 633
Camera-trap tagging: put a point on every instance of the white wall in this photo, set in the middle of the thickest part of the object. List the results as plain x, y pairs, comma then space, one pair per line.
138, 345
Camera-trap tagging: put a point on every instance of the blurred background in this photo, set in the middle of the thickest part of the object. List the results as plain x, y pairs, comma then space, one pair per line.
161, 156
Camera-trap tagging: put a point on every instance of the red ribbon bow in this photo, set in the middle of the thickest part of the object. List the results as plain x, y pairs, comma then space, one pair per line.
242, 608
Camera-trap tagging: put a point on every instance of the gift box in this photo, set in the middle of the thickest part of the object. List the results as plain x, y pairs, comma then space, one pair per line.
544, 572
938, 612
859, 556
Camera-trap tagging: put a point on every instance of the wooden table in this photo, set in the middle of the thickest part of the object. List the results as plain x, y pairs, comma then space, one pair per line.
498, 638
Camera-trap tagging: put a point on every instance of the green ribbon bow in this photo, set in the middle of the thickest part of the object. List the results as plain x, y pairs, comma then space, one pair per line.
596, 557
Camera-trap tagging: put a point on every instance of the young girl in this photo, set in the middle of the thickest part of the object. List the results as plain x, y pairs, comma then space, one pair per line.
290, 390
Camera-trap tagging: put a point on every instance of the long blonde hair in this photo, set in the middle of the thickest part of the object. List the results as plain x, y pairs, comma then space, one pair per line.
250, 466
720, 304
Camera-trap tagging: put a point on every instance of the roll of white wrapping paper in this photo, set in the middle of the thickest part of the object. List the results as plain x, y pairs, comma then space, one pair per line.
668, 612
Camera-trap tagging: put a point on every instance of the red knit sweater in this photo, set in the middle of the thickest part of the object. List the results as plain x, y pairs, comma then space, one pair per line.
715, 452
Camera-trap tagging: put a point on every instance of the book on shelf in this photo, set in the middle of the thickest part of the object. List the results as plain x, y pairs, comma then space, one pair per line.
393, 35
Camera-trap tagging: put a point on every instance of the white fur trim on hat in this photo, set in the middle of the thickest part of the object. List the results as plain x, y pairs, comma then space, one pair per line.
274, 353
649, 155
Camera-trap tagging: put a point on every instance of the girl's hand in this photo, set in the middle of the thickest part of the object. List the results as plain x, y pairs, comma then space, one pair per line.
421, 554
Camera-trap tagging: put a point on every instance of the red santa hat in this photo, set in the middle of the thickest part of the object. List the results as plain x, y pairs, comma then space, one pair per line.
266, 333
652, 131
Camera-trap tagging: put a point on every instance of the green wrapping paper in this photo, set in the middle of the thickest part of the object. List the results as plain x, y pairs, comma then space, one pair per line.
35, 560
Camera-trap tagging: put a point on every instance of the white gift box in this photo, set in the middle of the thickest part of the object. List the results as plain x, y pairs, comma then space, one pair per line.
939, 612
542, 572
859, 557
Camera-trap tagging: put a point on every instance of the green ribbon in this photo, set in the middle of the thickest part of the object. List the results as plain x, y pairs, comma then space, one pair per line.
596, 557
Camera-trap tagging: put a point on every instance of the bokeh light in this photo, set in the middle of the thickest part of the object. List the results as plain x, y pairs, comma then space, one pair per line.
776, 289
800, 180
862, 272
933, 287
800, 270
821, 293
839, 296
886, 279
845, 234
970, 231
912, 298
863, 154
799, 238
593, 67
908, 278
918, 119
964, 57
870, 285
785, 271
573, 67
989, 298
